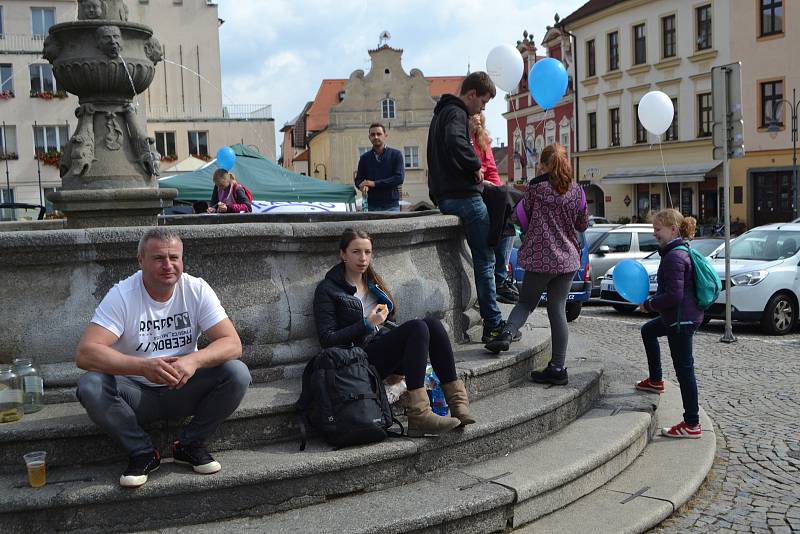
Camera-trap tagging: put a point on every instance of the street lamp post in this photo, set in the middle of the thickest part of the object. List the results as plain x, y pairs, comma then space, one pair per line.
324, 170
775, 127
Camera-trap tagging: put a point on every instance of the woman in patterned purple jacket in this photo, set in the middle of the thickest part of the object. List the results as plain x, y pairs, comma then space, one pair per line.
556, 207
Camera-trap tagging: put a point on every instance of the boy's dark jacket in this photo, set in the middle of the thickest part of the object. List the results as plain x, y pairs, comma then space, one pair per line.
452, 161
675, 291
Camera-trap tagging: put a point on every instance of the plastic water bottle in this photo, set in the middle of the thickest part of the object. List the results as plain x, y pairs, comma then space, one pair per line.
364, 203
432, 383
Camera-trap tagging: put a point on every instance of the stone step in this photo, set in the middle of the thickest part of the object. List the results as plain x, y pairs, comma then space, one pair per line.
661, 480
265, 415
488, 496
274, 478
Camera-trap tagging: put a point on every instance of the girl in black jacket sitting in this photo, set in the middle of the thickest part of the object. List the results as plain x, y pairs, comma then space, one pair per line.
350, 306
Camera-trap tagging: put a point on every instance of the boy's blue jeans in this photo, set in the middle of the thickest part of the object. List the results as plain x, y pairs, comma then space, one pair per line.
680, 348
475, 218
119, 405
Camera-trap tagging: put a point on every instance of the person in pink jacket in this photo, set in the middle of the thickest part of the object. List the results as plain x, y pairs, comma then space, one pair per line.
482, 143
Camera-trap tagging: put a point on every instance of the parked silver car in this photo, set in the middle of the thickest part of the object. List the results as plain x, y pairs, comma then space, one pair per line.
616, 243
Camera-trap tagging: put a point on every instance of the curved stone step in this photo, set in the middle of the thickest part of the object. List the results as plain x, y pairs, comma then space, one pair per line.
266, 414
277, 477
661, 480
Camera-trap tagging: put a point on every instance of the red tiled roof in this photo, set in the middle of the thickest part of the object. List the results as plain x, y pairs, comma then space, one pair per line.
441, 85
589, 8
302, 156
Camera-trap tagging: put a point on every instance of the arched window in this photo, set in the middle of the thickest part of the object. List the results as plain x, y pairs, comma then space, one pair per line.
387, 108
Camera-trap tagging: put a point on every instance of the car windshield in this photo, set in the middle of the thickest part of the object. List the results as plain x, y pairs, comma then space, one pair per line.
593, 235
706, 246
764, 245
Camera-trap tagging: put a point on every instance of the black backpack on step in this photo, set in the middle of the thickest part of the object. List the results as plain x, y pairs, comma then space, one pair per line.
343, 398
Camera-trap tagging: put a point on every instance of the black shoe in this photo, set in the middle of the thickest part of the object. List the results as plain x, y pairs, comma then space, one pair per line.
139, 467
549, 375
491, 333
196, 455
507, 293
500, 343
512, 285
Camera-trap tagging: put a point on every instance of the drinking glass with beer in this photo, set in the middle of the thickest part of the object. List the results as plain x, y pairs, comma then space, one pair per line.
35, 462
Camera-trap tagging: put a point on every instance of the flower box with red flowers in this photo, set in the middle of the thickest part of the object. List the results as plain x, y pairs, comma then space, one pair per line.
6, 95
202, 156
169, 158
8, 156
51, 157
49, 95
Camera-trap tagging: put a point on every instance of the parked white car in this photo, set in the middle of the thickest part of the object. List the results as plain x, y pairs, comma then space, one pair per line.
608, 293
765, 278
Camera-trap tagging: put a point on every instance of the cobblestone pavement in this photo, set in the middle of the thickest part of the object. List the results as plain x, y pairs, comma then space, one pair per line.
751, 389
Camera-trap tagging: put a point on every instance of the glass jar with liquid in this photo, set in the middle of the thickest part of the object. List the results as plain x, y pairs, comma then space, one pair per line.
11, 395
32, 385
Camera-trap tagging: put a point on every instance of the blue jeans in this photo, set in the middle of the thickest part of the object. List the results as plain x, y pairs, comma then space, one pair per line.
680, 348
119, 405
502, 255
475, 218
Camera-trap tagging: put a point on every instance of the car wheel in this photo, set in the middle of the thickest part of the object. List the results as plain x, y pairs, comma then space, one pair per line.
780, 315
624, 308
573, 311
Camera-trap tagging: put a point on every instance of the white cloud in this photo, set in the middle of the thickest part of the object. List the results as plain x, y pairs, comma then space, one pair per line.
279, 51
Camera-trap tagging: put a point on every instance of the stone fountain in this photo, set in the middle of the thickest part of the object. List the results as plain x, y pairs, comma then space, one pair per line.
109, 168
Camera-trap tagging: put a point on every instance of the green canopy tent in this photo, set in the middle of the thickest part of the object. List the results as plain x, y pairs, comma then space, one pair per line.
266, 180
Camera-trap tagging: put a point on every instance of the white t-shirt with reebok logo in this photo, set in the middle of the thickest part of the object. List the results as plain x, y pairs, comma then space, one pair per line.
149, 329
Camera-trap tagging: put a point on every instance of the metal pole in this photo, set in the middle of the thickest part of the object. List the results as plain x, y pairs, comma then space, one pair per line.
727, 337
794, 155
8, 178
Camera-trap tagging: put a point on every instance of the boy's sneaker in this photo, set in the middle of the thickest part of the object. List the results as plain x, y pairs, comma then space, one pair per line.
500, 343
682, 430
196, 455
549, 375
652, 386
507, 293
491, 333
139, 467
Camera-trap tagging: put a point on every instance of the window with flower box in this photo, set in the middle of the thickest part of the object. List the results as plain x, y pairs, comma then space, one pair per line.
8, 142
43, 83
198, 144
49, 143
165, 145
6, 79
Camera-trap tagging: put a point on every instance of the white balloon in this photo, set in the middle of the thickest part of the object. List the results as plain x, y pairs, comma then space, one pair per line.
504, 66
656, 112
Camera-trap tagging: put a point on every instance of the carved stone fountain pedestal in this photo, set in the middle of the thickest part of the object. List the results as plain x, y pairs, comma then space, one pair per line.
109, 169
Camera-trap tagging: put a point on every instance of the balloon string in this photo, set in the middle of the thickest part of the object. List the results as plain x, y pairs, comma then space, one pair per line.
664, 168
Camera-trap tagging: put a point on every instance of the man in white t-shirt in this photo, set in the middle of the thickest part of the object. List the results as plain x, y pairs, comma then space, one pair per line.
141, 353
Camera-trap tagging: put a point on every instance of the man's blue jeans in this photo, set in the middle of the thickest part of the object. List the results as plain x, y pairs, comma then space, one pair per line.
502, 255
680, 348
475, 218
120, 405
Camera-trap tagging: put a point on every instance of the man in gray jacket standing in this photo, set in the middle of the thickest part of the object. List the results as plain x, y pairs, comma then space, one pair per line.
455, 184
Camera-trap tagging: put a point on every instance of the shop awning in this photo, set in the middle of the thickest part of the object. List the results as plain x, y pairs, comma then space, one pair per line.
691, 172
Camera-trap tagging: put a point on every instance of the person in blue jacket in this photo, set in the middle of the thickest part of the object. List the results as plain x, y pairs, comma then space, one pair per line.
351, 308
381, 172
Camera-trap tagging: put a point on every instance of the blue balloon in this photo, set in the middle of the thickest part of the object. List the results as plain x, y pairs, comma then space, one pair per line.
631, 281
547, 82
226, 158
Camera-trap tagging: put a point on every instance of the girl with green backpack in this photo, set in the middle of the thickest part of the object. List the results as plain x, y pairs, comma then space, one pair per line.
679, 317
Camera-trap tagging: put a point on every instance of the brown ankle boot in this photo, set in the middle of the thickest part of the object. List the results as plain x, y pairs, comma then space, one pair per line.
457, 401
422, 420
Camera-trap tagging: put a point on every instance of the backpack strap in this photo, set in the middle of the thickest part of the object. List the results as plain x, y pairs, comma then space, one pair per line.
392, 433
304, 401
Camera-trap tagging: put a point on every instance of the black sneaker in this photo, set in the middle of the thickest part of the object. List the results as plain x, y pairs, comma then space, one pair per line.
500, 343
507, 293
491, 333
549, 375
196, 455
139, 467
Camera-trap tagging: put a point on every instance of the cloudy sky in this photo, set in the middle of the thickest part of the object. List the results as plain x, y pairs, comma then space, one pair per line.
278, 51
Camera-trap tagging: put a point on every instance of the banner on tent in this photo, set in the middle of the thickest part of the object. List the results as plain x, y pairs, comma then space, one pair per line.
260, 206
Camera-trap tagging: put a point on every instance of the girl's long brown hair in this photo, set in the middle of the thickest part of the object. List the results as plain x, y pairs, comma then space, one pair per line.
482, 135
555, 157
370, 275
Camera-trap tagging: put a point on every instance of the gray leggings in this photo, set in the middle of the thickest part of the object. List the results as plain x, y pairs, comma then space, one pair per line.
557, 287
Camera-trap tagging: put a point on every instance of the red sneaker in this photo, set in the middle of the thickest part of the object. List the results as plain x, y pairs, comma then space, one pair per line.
682, 430
651, 386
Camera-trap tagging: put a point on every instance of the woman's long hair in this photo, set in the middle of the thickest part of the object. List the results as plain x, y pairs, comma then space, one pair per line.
482, 134
370, 275
555, 157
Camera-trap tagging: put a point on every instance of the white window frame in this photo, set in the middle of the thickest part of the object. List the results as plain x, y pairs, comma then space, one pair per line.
388, 110
41, 11
411, 157
196, 134
61, 130
162, 136
7, 84
8, 139
41, 67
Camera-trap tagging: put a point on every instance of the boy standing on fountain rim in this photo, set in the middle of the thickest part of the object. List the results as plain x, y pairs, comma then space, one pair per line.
455, 182
141, 353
